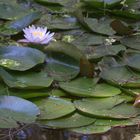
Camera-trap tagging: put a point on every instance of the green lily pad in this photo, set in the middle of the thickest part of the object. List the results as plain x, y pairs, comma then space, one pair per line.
24, 21
118, 74
58, 93
30, 80
132, 59
95, 52
52, 108
102, 26
131, 42
59, 22
66, 48
102, 3
107, 108
87, 87
121, 76
16, 26
87, 39
20, 58
55, 2
28, 94
72, 121
108, 122
14, 110
97, 106
11, 10
91, 129
61, 62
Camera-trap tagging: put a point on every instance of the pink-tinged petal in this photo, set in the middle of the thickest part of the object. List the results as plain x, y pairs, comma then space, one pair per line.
24, 41
46, 41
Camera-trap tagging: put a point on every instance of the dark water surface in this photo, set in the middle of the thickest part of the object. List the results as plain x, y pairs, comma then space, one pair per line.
34, 132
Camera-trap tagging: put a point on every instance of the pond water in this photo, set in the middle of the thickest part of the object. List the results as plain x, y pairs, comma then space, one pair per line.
34, 132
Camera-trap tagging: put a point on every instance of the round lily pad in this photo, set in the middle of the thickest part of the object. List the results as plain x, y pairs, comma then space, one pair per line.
87, 87
52, 107
20, 58
15, 110
107, 108
30, 80
91, 129
75, 120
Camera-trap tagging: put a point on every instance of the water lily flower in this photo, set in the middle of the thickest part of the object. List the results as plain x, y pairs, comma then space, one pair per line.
37, 35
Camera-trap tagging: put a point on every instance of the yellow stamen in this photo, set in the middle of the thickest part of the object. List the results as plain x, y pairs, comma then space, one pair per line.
37, 34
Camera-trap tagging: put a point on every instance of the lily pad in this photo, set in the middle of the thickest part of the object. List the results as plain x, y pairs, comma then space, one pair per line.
108, 122
30, 80
132, 59
59, 22
87, 87
14, 110
87, 40
91, 129
102, 3
95, 52
72, 121
52, 108
131, 42
121, 76
58, 93
101, 26
24, 21
107, 108
62, 63
20, 58
28, 94
11, 10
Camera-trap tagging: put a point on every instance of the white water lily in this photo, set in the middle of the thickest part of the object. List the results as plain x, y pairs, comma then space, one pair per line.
37, 35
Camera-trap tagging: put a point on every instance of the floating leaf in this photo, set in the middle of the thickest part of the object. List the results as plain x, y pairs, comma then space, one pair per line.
25, 21
102, 3
59, 22
132, 59
87, 40
20, 58
62, 63
107, 108
52, 108
14, 110
95, 52
108, 122
98, 107
75, 120
11, 10
30, 80
28, 94
131, 42
87, 87
91, 129
102, 26
58, 93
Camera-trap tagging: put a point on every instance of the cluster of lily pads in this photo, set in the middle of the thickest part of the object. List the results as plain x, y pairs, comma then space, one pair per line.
84, 78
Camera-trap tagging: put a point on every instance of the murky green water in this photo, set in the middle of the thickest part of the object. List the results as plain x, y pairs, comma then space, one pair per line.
34, 132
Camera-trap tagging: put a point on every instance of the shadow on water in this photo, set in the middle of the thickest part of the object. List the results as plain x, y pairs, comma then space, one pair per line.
34, 132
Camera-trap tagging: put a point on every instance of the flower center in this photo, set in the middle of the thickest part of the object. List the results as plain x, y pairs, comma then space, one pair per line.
37, 34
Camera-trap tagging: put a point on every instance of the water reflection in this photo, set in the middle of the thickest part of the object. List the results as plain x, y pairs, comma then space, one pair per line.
34, 132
